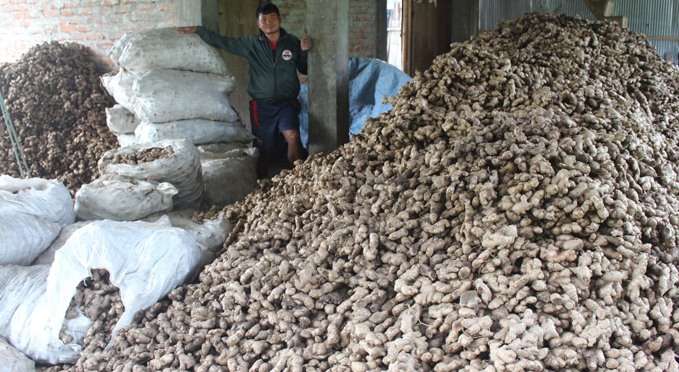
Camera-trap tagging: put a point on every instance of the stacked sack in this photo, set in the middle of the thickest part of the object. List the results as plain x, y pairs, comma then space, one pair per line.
46, 309
32, 213
171, 91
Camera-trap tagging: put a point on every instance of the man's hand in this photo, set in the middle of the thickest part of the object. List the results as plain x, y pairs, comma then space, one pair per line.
305, 42
187, 30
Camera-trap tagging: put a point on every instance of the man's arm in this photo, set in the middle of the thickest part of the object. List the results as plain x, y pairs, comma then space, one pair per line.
236, 46
305, 42
305, 45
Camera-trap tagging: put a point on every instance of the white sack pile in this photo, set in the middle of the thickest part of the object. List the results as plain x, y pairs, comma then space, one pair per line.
171, 85
165, 75
50, 309
144, 260
517, 210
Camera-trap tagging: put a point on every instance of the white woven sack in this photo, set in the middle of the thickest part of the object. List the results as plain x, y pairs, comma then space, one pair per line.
24, 237
127, 139
32, 212
211, 150
14, 360
144, 50
163, 95
119, 86
48, 199
47, 257
121, 120
229, 177
210, 233
115, 198
196, 131
21, 288
181, 169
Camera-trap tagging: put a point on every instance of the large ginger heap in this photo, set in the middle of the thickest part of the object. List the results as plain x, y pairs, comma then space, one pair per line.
518, 208
58, 107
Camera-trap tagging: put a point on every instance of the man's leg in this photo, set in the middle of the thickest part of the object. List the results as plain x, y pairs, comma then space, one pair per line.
289, 126
294, 141
265, 133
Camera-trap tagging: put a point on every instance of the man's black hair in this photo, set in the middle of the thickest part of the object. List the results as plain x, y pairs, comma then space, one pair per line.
267, 8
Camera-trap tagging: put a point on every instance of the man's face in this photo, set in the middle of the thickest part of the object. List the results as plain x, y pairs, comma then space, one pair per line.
269, 23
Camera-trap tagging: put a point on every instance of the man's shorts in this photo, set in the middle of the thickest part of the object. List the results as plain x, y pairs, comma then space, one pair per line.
269, 121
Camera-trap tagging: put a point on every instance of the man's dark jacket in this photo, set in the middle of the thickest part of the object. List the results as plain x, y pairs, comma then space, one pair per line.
273, 78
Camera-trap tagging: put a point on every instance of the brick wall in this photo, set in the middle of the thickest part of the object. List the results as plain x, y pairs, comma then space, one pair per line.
97, 24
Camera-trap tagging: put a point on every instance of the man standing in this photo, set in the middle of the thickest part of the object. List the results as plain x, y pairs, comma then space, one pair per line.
274, 57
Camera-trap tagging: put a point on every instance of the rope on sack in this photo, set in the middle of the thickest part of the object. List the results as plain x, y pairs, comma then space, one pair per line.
16, 146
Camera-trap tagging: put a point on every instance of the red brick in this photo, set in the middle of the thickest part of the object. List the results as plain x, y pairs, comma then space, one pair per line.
94, 36
67, 28
21, 15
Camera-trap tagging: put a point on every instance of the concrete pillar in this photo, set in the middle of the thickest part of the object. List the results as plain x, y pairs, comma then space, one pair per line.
328, 78
194, 13
188, 12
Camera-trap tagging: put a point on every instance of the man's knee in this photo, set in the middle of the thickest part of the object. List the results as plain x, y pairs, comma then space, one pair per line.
291, 136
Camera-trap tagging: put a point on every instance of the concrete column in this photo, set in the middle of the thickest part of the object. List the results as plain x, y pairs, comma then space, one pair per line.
328, 79
197, 13
188, 12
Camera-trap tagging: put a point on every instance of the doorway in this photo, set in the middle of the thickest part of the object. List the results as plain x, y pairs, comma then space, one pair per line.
425, 30
394, 33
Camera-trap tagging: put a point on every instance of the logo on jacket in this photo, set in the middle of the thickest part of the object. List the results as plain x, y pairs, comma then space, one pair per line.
287, 54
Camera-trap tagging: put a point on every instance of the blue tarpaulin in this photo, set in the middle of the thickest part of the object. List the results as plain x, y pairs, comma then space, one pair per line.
370, 80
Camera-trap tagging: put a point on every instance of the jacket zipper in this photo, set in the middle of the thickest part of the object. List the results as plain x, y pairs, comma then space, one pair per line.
275, 82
